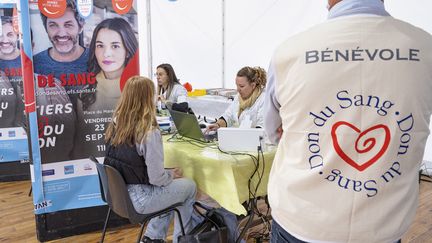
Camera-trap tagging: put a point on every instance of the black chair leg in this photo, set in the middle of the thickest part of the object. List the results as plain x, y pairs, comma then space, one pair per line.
141, 231
106, 224
180, 220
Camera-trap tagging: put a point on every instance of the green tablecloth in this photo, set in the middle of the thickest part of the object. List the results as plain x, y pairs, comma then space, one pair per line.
222, 176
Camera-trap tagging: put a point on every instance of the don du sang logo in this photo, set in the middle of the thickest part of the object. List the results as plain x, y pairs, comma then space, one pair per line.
357, 147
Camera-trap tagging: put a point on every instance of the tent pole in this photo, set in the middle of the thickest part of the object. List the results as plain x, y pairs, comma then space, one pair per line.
149, 40
223, 44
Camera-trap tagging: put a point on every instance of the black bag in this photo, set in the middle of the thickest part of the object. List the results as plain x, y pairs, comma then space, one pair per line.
182, 107
211, 230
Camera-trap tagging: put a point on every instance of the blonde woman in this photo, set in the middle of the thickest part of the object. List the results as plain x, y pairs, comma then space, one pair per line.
247, 108
134, 148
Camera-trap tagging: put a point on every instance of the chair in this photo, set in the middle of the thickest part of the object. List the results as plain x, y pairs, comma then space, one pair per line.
115, 194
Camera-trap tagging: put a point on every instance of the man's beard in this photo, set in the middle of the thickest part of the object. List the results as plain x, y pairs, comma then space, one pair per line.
54, 41
11, 46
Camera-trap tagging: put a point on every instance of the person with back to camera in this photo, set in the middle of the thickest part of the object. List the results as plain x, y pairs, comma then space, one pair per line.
169, 89
134, 147
112, 46
349, 101
247, 108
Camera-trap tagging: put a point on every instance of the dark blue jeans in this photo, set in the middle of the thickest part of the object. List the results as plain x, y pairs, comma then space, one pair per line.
279, 235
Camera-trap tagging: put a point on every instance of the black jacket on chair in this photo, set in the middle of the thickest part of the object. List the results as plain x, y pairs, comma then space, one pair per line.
128, 162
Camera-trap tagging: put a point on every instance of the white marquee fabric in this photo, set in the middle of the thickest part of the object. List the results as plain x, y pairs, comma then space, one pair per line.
188, 34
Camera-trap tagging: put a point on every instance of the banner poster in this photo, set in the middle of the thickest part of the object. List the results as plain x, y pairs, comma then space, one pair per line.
83, 53
13, 138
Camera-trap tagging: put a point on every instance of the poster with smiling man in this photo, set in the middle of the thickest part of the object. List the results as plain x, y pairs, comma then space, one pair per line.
83, 53
13, 138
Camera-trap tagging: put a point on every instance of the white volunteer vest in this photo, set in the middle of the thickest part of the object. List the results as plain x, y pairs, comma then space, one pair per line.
356, 98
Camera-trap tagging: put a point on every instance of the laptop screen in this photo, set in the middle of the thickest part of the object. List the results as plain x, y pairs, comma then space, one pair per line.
187, 125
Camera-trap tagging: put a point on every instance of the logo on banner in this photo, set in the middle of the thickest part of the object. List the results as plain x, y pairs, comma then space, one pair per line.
362, 148
48, 172
11, 134
122, 6
43, 204
69, 169
85, 8
52, 8
87, 167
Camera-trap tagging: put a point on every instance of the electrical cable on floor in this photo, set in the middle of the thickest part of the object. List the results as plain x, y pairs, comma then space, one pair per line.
252, 204
264, 233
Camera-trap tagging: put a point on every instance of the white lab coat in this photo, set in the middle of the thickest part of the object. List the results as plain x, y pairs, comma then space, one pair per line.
250, 118
178, 94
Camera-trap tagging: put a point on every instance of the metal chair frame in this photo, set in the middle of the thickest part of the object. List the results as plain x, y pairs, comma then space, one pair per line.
114, 193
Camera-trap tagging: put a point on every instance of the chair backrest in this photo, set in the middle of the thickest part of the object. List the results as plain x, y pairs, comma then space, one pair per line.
99, 167
116, 193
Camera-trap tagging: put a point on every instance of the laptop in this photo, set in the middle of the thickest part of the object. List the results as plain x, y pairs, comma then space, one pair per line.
187, 126
240, 139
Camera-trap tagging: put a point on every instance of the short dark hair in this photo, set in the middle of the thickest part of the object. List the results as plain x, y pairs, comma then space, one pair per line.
69, 4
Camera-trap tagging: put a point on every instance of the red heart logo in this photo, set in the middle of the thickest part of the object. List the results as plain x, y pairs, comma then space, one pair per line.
369, 143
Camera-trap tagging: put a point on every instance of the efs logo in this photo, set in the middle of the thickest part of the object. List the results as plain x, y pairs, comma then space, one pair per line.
52, 8
69, 169
122, 6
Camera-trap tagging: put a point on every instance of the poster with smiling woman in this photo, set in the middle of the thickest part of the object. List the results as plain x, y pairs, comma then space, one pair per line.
83, 53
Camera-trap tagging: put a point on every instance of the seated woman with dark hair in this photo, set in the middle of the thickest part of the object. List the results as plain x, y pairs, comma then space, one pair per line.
169, 88
134, 148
